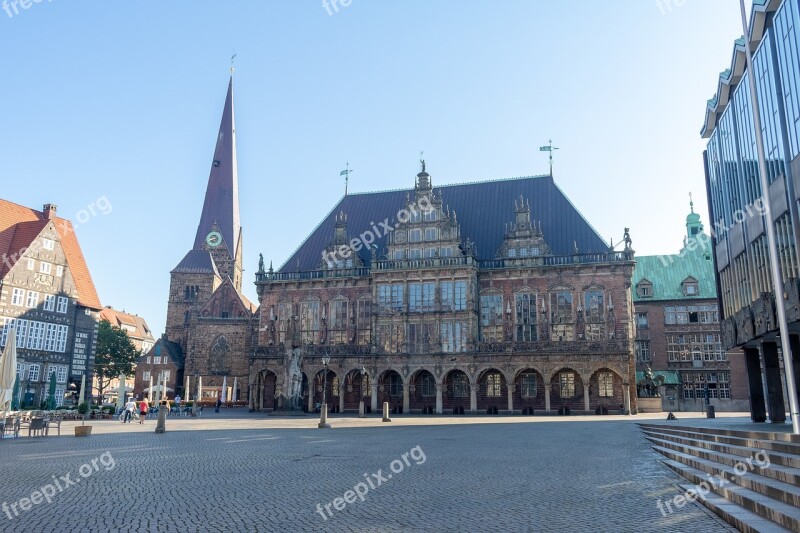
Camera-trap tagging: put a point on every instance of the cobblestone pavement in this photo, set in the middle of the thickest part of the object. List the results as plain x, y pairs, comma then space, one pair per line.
223, 474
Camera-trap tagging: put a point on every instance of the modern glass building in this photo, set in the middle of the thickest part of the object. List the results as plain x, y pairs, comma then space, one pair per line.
739, 242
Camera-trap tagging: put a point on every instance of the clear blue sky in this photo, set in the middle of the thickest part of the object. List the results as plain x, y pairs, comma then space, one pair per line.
123, 100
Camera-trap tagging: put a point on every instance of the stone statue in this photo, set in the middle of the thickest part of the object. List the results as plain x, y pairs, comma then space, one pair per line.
627, 239
261, 262
294, 380
648, 387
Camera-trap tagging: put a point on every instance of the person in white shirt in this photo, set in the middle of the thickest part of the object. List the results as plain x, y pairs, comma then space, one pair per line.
129, 408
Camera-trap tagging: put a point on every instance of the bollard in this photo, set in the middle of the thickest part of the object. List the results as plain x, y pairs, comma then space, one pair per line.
194, 409
386, 412
162, 417
361, 409
323, 417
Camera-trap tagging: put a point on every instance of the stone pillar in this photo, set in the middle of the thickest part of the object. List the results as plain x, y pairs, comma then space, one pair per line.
547, 398
341, 397
794, 343
777, 409
251, 400
439, 398
510, 398
627, 397
311, 397
406, 398
586, 405
373, 402
758, 407
473, 398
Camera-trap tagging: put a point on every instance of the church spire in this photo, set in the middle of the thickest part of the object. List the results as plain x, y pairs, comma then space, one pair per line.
221, 205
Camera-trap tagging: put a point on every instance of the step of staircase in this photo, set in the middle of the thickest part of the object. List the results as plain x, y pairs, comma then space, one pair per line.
749, 478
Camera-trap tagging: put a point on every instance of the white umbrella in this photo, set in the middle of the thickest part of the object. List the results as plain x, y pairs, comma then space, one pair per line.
8, 371
121, 395
199, 388
224, 389
187, 390
82, 395
233, 396
150, 390
157, 388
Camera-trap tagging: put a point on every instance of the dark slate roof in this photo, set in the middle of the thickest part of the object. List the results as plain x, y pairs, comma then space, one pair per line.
164, 347
482, 209
221, 205
197, 262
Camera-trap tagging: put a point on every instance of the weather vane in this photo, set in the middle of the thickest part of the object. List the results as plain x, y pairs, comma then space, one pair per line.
549, 148
346, 174
232, 58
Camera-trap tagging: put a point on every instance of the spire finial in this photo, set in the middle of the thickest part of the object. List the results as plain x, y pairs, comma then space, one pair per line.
346, 174
232, 58
549, 148
691, 202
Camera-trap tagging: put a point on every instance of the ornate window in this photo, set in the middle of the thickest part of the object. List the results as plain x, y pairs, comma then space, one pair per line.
562, 319
605, 384
493, 385
643, 354
526, 317
567, 382
390, 337
309, 322
641, 321
431, 234
454, 337
453, 295
690, 287
338, 322
395, 384
460, 385
421, 296
595, 315
492, 317
335, 386
421, 336
528, 383
415, 235
220, 351
284, 317
364, 320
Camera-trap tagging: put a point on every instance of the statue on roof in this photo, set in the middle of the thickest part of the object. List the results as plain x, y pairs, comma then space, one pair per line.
627, 239
261, 262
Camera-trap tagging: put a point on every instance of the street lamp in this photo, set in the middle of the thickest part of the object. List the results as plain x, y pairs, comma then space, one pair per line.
323, 412
361, 413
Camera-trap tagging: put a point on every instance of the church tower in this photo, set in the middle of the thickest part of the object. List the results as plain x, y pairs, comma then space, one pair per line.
217, 251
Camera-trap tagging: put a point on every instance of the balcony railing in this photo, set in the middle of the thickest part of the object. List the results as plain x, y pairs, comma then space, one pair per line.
430, 262
312, 274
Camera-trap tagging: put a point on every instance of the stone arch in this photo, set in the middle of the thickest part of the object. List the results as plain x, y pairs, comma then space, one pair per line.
529, 391
356, 389
492, 391
390, 389
332, 388
422, 391
566, 393
265, 388
456, 392
605, 394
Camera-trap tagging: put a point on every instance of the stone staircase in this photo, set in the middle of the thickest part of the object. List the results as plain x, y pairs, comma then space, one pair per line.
749, 478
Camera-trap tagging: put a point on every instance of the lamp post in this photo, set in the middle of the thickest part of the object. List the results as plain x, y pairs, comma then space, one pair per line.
361, 413
323, 412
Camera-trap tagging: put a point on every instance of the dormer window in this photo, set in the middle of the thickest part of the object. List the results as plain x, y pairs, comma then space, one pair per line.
523, 252
644, 289
535, 251
415, 235
430, 216
690, 287
512, 252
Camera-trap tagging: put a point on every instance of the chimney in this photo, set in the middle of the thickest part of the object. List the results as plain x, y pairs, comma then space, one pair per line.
49, 211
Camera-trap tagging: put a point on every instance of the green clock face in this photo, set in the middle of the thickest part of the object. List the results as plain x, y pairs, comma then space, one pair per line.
214, 239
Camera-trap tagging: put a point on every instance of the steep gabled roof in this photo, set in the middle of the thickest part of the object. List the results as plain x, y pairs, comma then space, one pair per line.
197, 262
20, 226
482, 209
221, 293
668, 272
120, 318
163, 347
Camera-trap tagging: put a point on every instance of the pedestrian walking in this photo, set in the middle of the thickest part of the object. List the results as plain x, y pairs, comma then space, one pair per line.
143, 409
130, 407
219, 402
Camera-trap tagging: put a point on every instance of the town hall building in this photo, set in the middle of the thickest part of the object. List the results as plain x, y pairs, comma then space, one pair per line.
492, 297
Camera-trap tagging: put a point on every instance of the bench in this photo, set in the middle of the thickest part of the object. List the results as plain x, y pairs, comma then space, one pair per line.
11, 426
52, 423
37, 425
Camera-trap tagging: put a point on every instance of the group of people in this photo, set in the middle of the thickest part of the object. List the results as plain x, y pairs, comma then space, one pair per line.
142, 407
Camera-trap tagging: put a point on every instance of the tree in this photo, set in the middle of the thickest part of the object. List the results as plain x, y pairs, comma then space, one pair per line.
115, 355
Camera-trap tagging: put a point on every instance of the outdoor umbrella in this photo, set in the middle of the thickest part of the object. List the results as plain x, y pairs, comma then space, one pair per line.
233, 394
51, 393
224, 389
121, 394
15, 399
82, 395
8, 371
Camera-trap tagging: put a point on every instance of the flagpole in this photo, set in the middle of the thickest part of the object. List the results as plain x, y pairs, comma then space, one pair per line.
777, 279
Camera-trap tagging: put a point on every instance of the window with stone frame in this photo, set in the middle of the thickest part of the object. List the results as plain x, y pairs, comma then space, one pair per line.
567, 384
428, 385
364, 322
309, 322
492, 317
421, 297
605, 384
284, 319
146, 375
644, 289
454, 337
338, 322
460, 385
421, 336
562, 319
690, 287
643, 353
493, 382
594, 313
391, 338
528, 385
525, 305
447, 295
641, 321
460, 300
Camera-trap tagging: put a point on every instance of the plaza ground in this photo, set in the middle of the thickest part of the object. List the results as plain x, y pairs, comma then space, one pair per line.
237, 471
